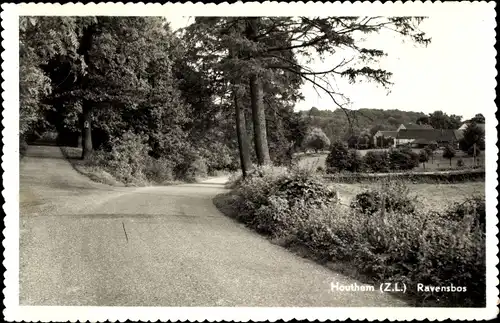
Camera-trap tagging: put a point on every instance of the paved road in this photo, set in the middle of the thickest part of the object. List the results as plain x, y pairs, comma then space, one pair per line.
83, 243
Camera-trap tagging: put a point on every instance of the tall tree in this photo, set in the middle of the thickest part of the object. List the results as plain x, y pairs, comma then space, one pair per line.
224, 45
271, 45
472, 135
424, 120
449, 152
119, 54
440, 120
478, 118
125, 82
42, 39
257, 97
243, 142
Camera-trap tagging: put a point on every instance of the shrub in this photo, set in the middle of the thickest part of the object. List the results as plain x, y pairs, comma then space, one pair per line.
403, 159
191, 167
355, 161
49, 136
422, 248
338, 158
377, 161
475, 206
410, 248
316, 139
217, 156
395, 194
235, 179
159, 170
268, 196
423, 156
460, 162
127, 158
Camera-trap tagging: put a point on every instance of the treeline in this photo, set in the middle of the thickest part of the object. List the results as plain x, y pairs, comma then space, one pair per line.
217, 95
342, 124
337, 123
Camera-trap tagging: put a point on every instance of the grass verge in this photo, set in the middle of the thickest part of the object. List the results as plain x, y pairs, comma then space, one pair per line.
100, 170
89, 168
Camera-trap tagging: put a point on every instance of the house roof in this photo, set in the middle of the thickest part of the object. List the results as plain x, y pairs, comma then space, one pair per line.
417, 126
386, 133
438, 135
422, 141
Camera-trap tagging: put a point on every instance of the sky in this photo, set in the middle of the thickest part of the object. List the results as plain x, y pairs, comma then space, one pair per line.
448, 74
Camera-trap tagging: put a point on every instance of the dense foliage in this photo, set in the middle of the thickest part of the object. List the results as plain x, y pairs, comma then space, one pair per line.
268, 196
403, 159
316, 139
338, 158
472, 135
377, 161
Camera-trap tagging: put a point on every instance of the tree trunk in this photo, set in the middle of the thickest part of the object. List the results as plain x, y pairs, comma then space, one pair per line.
257, 102
241, 132
259, 121
87, 130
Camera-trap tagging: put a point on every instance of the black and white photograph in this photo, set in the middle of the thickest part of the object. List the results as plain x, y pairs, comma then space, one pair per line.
266, 161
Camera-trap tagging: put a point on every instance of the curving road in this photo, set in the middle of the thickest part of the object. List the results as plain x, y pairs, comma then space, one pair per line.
84, 243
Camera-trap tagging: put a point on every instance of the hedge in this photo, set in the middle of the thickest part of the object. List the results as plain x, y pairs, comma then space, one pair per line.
422, 177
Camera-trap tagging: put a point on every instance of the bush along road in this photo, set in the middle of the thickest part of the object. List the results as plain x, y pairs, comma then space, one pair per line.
386, 234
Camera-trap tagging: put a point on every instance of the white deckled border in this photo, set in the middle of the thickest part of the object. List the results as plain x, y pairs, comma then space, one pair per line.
10, 163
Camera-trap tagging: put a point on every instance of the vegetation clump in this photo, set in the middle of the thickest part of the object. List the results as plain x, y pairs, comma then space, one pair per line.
267, 197
377, 161
393, 196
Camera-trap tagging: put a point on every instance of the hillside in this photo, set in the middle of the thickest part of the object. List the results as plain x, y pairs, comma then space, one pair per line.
336, 125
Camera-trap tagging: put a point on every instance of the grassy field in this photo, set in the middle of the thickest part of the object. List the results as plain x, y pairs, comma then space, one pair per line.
316, 160
433, 196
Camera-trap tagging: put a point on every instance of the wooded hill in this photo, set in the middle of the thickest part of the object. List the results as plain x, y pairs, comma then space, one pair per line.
335, 123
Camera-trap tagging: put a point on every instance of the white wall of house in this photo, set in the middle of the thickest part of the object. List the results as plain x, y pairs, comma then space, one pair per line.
404, 141
402, 126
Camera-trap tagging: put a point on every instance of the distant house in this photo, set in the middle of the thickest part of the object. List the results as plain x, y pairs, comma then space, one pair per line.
424, 137
406, 126
383, 134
